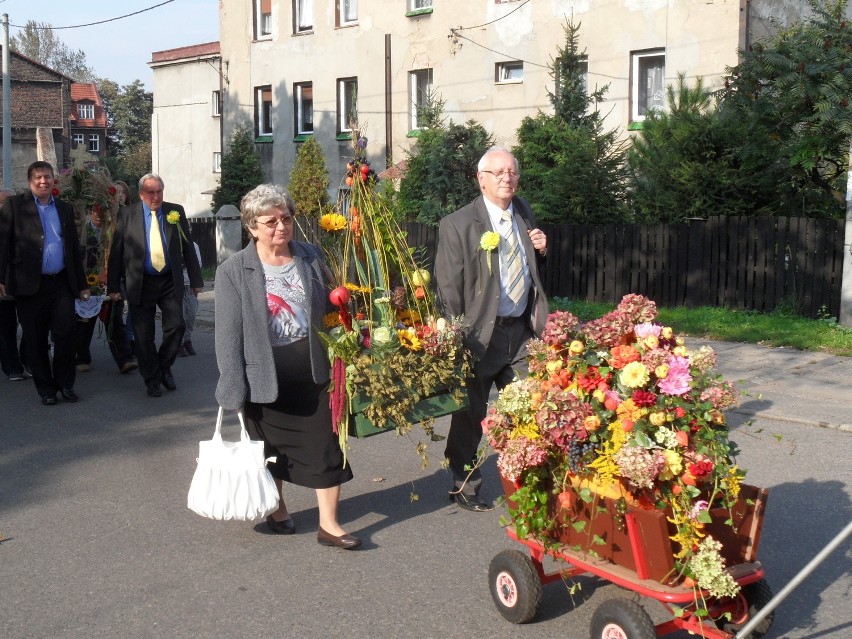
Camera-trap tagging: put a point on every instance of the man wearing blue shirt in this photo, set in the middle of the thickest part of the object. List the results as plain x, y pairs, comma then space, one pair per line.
41, 264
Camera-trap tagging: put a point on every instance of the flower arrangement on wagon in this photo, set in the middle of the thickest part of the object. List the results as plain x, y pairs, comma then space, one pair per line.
619, 407
388, 346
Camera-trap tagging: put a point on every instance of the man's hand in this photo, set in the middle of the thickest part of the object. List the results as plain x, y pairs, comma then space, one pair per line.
2, 290
539, 240
196, 291
115, 297
85, 294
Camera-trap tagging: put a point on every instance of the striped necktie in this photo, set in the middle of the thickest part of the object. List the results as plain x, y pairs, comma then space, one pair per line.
155, 244
514, 264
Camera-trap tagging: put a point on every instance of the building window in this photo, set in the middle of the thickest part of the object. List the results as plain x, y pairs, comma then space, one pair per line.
263, 110
420, 91
216, 103
262, 19
507, 72
78, 139
303, 16
414, 5
86, 111
303, 94
347, 104
94, 143
347, 12
647, 87
217, 161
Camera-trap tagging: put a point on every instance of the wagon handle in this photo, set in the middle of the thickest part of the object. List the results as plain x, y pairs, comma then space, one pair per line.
745, 631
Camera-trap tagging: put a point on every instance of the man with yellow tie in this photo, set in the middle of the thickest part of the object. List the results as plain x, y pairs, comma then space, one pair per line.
150, 248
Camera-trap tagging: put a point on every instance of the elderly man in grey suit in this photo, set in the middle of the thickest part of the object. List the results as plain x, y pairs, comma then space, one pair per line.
497, 292
150, 248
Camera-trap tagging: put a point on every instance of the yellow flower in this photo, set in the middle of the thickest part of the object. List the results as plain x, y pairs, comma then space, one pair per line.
354, 288
527, 429
657, 419
662, 371
667, 332
173, 217
576, 347
680, 351
408, 338
489, 241
92, 279
634, 375
332, 222
330, 320
651, 341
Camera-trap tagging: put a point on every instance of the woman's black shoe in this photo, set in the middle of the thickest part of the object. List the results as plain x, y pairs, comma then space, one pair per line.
345, 541
286, 527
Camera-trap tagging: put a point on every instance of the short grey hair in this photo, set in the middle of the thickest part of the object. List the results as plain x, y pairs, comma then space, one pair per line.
483, 161
151, 176
262, 199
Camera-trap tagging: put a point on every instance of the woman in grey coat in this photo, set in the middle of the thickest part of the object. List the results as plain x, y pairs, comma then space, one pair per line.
270, 302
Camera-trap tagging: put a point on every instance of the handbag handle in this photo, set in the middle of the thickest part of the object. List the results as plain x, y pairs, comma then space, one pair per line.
217, 434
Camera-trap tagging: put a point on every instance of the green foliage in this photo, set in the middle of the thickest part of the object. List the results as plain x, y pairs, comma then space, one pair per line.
241, 169
571, 169
792, 95
130, 110
441, 173
38, 42
309, 180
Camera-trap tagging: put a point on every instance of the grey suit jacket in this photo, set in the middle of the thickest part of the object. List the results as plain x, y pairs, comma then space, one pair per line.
127, 252
243, 347
466, 287
22, 245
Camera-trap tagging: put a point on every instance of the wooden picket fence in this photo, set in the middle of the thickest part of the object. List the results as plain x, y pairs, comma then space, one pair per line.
749, 263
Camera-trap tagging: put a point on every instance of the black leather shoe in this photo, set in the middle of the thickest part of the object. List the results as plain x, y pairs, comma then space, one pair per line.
48, 400
471, 502
154, 390
286, 527
345, 541
169, 380
69, 395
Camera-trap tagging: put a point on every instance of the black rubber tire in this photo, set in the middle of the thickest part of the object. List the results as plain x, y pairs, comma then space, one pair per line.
515, 586
757, 595
621, 619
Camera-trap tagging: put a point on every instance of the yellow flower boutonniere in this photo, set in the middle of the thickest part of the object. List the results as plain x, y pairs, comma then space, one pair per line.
173, 218
489, 241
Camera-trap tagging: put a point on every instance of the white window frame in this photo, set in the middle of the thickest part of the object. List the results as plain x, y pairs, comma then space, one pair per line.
94, 143
86, 111
303, 95
420, 85
416, 5
347, 12
347, 103
217, 161
78, 139
643, 96
216, 103
303, 16
262, 19
263, 110
509, 72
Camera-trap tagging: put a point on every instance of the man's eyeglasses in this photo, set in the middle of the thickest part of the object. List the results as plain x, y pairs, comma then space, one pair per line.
273, 223
512, 175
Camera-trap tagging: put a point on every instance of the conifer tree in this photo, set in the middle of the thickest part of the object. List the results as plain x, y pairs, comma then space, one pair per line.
309, 180
241, 169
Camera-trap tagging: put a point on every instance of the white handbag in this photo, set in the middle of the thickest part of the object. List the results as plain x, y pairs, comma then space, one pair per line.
232, 480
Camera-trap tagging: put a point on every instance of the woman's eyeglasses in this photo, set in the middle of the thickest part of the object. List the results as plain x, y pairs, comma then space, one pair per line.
273, 223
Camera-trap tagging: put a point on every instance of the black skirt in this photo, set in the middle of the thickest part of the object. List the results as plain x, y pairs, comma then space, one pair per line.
297, 426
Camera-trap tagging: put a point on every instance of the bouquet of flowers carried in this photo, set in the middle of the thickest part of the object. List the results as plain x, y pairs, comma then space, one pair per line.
389, 348
620, 408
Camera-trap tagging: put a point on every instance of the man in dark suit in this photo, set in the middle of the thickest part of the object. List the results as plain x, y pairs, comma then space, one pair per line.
150, 248
42, 266
494, 283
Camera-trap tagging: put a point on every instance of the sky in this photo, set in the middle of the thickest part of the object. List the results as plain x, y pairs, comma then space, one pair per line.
120, 50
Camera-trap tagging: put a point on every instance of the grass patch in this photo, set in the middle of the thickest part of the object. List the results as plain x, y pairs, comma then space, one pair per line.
208, 273
769, 329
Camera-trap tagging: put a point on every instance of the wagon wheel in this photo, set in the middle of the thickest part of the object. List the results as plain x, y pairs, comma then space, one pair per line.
515, 586
621, 619
756, 595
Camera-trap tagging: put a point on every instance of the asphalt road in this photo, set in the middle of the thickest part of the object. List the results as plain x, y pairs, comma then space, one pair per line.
99, 542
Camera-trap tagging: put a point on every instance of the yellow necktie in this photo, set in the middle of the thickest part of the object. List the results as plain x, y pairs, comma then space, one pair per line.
155, 244
514, 263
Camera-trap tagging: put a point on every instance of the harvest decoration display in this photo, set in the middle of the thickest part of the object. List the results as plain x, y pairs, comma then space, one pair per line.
395, 361
619, 414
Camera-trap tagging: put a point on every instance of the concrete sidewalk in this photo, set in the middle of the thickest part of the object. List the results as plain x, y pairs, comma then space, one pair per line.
782, 384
